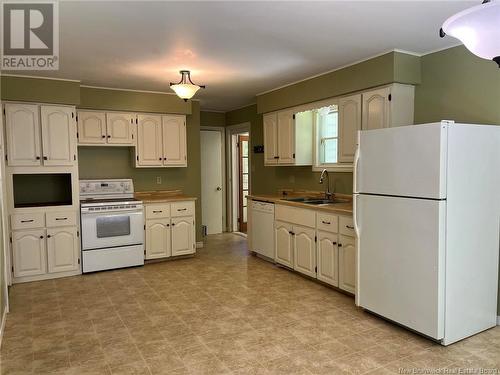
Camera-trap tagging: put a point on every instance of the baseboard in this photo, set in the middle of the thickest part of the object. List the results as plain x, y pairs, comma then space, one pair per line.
2, 327
498, 320
199, 245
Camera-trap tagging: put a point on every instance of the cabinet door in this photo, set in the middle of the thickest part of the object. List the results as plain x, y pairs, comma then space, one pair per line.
58, 135
23, 134
29, 253
304, 260
149, 141
120, 128
349, 124
376, 109
347, 263
328, 258
174, 140
284, 243
158, 239
91, 127
183, 236
286, 137
62, 249
270, 121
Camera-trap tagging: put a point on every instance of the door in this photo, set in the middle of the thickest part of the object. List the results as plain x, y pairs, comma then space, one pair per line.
328, 258
347, 263
91, 127
58, 135
158, 239
376, 109
244, 182
270, 138
211, 181
149, 141
182, 236
62, 249
174, 140
284, 243
349, 124
401, 260
304, 260
286, 137
404, 161
29, 253
120, 128
23, 135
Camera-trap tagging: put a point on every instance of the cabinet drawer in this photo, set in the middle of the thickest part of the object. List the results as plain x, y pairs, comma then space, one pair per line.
294, 215
157, 211
27, 221
327, 222
60, 219
346, 226
182, 209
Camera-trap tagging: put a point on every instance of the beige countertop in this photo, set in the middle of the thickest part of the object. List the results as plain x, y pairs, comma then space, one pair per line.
162, 196
334, 208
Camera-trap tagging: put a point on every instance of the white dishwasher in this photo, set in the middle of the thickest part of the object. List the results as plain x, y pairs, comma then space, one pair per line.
263, 228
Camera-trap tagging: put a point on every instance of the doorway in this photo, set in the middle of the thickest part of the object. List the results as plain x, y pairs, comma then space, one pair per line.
243, 187
212, 180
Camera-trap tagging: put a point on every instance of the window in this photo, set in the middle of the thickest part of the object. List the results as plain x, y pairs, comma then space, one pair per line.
328, 136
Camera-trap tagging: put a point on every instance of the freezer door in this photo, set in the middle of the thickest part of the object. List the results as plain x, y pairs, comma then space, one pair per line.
401, 249
407, 161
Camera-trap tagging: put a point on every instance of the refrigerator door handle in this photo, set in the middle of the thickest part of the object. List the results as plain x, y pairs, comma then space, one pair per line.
355, 214
355, 168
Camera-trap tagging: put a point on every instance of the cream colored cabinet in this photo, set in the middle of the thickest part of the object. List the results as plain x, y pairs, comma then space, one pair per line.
158, 242
149, 141
29, 253
58, 135
120, 128
183, 236
91, 128
388, 106
270, 123
304, 260
328, 258
62, 249
22, 123
349, 110
40, 135
286, 137
283, 243
174, 140
347, 263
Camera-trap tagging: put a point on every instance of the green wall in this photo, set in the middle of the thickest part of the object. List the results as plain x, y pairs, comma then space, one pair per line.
40, 90
208, 118
456, 85
388, 68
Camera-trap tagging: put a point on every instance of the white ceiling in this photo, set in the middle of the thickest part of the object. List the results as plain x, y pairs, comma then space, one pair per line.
238, 49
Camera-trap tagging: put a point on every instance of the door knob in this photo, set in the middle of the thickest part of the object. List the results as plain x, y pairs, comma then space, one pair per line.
219, 188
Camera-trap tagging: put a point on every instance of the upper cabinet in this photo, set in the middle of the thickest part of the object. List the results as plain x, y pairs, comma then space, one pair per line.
106, 128
287, 138
40, 135
161, 141
349, 124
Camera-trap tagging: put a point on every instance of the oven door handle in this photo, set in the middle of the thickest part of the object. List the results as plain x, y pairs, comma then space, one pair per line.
111, 212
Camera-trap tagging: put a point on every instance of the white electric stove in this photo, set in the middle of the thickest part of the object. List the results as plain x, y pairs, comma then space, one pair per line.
112, 223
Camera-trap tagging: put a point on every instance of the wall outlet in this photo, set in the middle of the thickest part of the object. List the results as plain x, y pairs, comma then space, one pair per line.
158, 180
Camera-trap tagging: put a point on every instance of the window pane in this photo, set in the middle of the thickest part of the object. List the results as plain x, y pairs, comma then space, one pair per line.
244, 166
330, 125
330, 150
244, 148
244, 214
245, 182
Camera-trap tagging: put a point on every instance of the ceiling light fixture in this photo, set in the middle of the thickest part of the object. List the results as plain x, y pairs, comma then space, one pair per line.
185, 88
478, 28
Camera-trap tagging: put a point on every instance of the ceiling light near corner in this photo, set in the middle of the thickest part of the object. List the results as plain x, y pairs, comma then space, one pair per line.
185, 88
478, 28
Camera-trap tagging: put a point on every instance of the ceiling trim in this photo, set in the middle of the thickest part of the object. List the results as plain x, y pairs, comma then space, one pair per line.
39, 77
441, 49
120, 89
243, 106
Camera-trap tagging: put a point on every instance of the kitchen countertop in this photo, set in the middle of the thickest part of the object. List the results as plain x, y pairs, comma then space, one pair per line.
162, 196
334, 208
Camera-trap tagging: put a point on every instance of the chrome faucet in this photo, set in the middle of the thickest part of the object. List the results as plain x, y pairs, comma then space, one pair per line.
328, 193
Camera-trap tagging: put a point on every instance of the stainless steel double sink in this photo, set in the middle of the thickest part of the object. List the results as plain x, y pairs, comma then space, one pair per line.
316, 201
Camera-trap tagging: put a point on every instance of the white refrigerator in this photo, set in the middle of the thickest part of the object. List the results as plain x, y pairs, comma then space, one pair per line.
427, 218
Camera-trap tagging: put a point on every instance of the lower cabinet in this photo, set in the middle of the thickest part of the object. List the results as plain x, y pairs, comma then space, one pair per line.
284, 243
328, 258
158, 239
304, 260
29, 253
183, 236
62, 249
347, 263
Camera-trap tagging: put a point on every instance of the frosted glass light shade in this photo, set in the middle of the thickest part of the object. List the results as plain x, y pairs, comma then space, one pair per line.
478, 28
185, 90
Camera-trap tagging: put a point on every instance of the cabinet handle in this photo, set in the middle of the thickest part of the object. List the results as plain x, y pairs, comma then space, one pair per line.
325, 222
48, 236
41, 237
173, 224
109, 136
38, 158
349, 226
293, 234
334, 243
160, 159
27, 221
168, 225
45, 158
182, 209
276, 157
157, 212
103, 136
61, 218
339, 245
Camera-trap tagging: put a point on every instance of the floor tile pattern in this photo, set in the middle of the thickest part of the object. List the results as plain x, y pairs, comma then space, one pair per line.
221, 312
